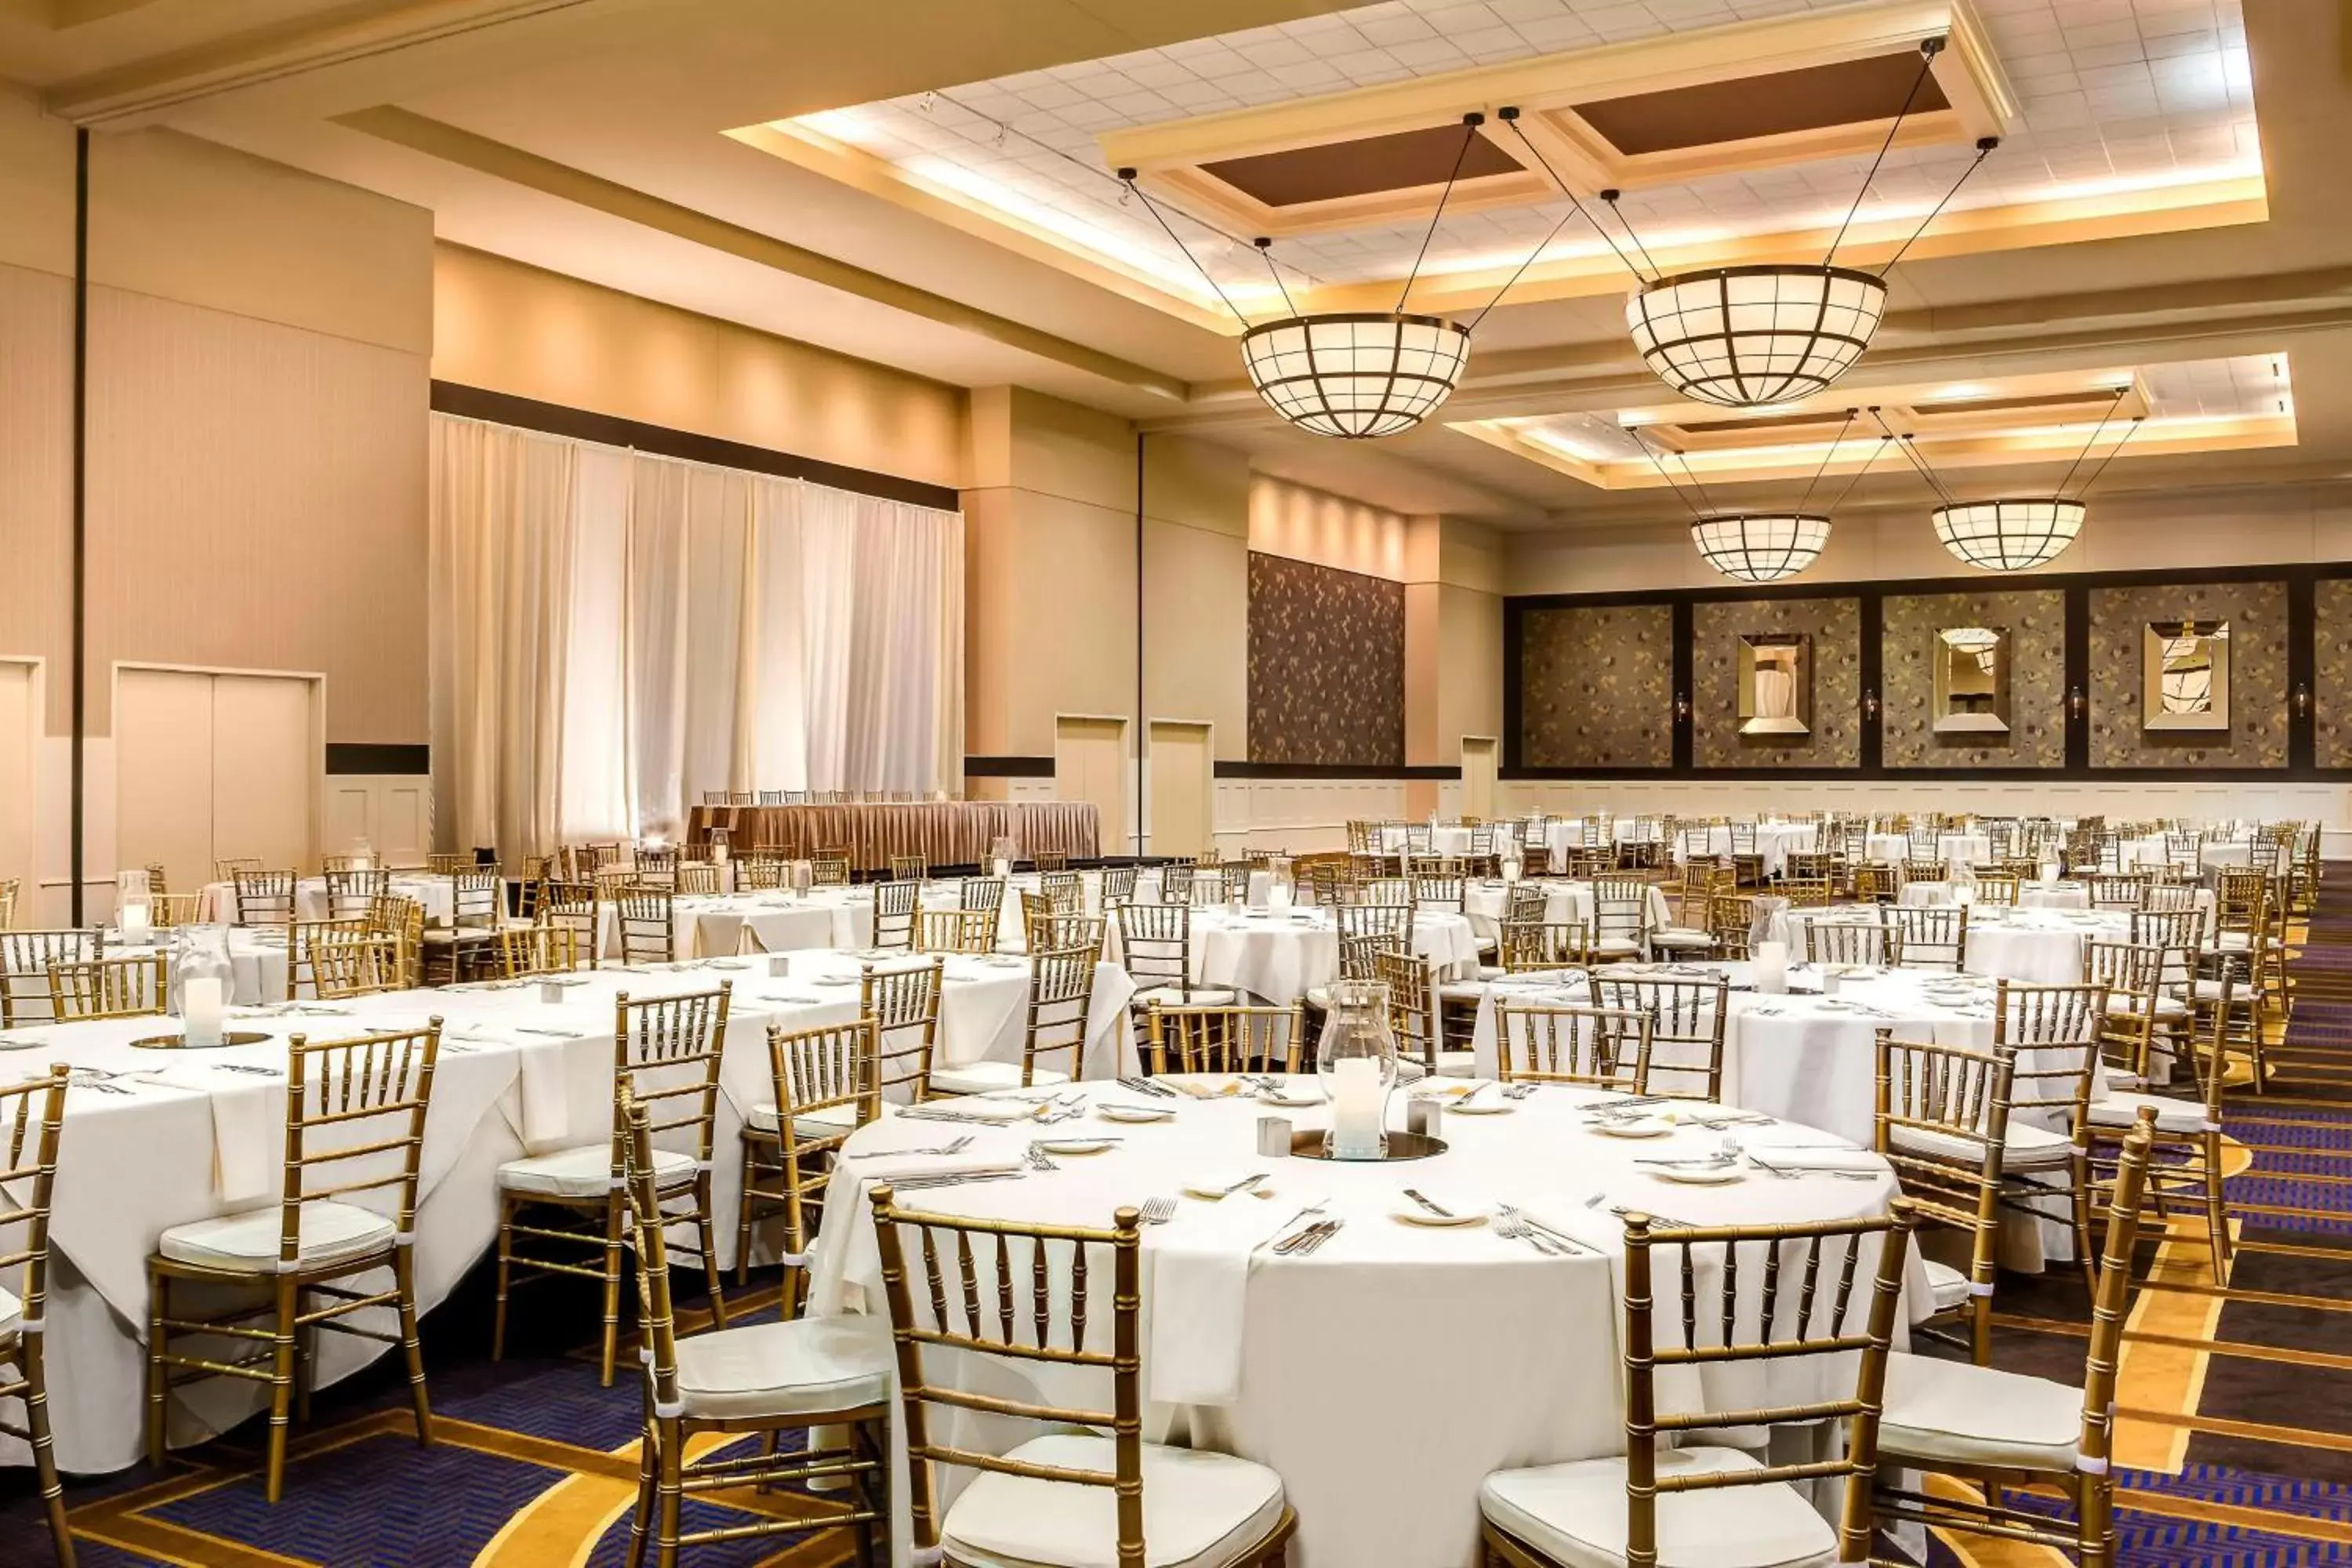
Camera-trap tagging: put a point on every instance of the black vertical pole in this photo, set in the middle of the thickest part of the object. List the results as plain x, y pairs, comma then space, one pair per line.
80, 518
1140, 725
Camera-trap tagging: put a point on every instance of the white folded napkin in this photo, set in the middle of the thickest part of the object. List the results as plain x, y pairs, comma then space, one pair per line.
1791, 1135
249, 1127
1003, 1112
1199, 1289
1817, 1158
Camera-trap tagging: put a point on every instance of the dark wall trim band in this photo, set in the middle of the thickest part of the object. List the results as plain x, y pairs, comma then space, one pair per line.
373, 757
581, 425
1938, 776
80, 676
1008, 767
1334, 770
1909, 587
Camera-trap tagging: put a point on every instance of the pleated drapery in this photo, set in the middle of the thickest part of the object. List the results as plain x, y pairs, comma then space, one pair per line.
616, 632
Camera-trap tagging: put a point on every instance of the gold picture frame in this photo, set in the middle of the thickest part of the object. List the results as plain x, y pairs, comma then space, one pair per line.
1971, 686
2185, 674
1775, 683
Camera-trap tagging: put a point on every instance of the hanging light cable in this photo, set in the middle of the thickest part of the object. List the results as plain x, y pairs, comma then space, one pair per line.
2014, 533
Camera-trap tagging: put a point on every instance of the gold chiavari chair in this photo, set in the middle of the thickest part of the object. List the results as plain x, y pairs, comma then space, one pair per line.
32, 1119
361, 1100
697, 878
2137, 1006
167, 910
1876, 884
1853, 941
2053, 1031
1935, 872
2017, 1433
576, 907
1537, 945
1417, 1015
665, 1053
763, 872
1050, 860
1046, 928
983, 895
1156, 944
1118, 885
355, 966
2117, 890
1593, 1046
2171, 896
350, 891
1443, 894
1066, 890
2188, 1128
1942, 1122
1061, 995
1358, 961
1621, 920
909, 868
1732, 915
829, 869
1688, 934
1930, 936
9, 888
26, 960
647, 921
534, 950
896, 904
2181, 933
302, 940
226, 868
1805, 892
904, 1003
1392, 891
478, 908
1736, 1330
1686, 1026
110, 988
449, 862
1224, 1040
955, 931
401, 918
264, 898
827, 1085
772, 1379
1996, 888
654, 866
1040, 1500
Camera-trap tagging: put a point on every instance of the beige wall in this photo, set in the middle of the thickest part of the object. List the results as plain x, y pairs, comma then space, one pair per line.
1454, 638
1313, 525
2125, 534
256, 467
504, 326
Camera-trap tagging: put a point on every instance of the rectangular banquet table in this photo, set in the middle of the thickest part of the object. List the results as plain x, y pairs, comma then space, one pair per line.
945, 832
154, 1139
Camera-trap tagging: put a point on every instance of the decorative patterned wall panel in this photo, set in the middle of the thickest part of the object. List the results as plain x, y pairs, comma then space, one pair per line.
1326, 664
1835, 742
2257, 735
2036, 624
2332, 671
1597, 687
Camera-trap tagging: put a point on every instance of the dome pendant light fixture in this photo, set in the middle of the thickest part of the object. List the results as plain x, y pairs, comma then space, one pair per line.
1766, 544
1741, 337
2017, 533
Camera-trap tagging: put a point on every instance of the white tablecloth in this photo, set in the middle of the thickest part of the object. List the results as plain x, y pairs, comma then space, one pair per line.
730, 923
1443, 839
2131, 853
2044, 946
1282, 955
184, 1141
437, 895
1486, 902
1311, 1365
258, 960
1951, 849
2029, 895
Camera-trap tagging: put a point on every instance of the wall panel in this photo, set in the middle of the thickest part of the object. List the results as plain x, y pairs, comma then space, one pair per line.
1597, 687
1326, 669
2036, 625
1835, 627
2257, 735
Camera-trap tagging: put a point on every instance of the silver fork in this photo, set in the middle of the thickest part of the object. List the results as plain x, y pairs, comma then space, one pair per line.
1040, 1161
1512, 1213
1158, 1211
1512, 1226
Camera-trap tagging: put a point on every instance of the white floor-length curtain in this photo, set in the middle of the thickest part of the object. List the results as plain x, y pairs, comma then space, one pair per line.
617, 634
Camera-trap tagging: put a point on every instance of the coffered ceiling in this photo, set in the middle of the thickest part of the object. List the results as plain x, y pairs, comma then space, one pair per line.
928, 183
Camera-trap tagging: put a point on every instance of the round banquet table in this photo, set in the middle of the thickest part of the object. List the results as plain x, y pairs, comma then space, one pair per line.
1486, 902
2042, 946
1319, 1366
1773, 842
436, 895
1282, 954
1951, 849
258, 963
2029, 895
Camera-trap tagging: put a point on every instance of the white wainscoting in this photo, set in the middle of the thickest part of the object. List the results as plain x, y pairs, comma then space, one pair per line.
1305, 816
2327, 803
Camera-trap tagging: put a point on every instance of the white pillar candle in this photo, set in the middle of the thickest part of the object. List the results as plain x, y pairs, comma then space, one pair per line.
1356, 1103
1510, 870
135, 923
201, 1005
1278, 897
1003, 866
1771, 963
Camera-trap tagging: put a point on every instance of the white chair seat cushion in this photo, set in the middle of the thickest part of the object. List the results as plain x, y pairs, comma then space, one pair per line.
330, 1233
1575, 1514
2028, 1148
2129, 1007
1946, 1287
1457, 1064
2211, 990
1320, 996
1201, 1510
1186, 997
12, 1314
1958, 1412
1491, 972
1615, 946
2121, 1108
585, 1171
823, 1124
804, 1367
1486, 944
1681, 936
987, 1077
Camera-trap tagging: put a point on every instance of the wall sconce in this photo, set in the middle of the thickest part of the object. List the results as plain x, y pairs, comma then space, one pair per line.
1681, 708
1869, 706
2077, 703
2302, 700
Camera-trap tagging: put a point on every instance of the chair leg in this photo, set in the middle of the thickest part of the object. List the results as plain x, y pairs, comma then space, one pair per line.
614, 1207
671, 1494
641, 1519
709, 1250
743, 1220
506, 1272
159, 1372
45, 1459
2079, 1169
1981, 1330
2217, 1210
404, 1269
281, 1387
